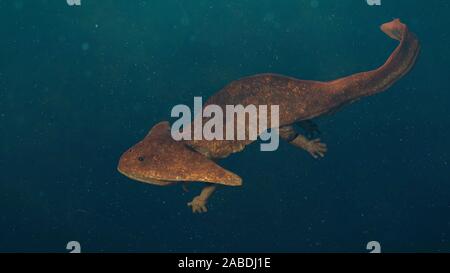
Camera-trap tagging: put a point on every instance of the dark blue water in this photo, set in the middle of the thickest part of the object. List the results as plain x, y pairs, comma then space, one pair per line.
79, 85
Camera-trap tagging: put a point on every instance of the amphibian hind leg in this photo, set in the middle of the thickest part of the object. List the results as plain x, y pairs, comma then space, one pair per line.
313, 147
198, 204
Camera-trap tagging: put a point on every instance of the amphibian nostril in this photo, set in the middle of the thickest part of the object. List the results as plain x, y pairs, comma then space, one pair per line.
141, 158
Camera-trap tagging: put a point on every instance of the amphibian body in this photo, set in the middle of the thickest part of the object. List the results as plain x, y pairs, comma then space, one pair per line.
160, 160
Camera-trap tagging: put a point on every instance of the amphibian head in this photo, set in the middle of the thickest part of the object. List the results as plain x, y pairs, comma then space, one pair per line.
160, 160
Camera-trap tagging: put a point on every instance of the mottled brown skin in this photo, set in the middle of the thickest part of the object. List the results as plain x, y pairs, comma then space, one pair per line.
301, 100
166, 161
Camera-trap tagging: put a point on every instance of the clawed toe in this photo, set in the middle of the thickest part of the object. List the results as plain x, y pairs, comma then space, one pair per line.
317, 149
198, 205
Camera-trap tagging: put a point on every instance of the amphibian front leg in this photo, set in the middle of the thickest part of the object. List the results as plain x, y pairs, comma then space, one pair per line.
198, 204
313, 147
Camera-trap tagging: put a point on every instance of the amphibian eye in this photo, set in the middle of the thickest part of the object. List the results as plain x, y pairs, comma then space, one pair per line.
141, 158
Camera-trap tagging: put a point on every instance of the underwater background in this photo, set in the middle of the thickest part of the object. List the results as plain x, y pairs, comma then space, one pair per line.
81, 84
